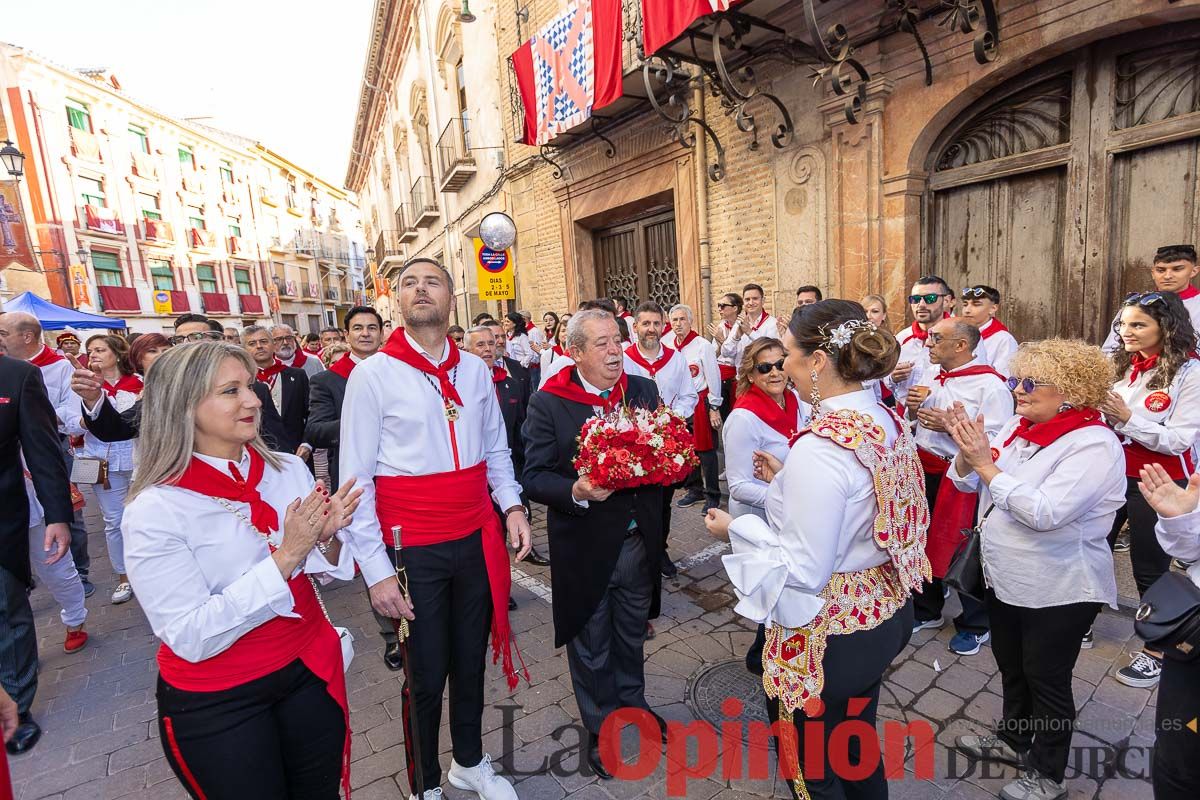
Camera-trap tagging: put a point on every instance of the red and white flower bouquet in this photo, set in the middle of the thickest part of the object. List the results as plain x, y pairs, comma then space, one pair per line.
631, 447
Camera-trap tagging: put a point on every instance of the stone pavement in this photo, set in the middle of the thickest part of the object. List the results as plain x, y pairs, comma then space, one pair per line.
101, 738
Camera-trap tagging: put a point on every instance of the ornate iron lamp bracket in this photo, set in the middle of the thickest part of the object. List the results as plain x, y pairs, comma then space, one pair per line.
965, 15
845, 76
676, 111
740, 87
546, 153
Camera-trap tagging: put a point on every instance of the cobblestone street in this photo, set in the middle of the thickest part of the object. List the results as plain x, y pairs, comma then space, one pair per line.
101, 739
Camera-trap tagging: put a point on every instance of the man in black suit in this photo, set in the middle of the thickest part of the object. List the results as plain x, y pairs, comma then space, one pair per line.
326, 390
512, 390
605, 545
288, 388
27, 425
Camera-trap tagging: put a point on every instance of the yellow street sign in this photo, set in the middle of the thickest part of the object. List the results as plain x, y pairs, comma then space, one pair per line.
494, 272
162, 302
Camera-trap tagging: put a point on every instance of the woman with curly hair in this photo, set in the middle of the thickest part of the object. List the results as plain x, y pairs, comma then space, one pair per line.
1155, 408
1049, 485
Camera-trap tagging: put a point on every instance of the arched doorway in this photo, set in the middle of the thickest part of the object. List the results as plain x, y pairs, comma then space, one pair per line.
1058, 186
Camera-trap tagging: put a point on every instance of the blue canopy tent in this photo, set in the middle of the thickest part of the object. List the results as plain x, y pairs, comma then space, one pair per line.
56, 318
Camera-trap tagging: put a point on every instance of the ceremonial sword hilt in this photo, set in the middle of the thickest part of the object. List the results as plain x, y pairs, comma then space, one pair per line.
402, 579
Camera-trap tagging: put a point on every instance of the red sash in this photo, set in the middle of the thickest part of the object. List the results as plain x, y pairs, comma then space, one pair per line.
636, 357
1178, 466
561, 385
126, 383
951, 512
701, 426
686, 340
343, 366
946, 375
5, 783
996, 326
784, 421
728, 373
444, 507
45, 358
271, 373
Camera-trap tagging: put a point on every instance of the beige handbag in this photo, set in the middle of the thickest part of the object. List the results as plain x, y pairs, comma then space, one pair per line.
90, 469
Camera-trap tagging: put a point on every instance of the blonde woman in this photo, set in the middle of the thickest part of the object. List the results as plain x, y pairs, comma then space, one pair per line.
221, 537
876, 308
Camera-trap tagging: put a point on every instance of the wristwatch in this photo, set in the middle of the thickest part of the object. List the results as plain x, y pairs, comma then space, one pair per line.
523, 509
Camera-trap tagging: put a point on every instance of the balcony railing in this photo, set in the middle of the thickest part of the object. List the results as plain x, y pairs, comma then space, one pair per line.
424, 201
455, 160
101, 220
119, 299
215, 302
251, 304
389, 247
333, 293
312, 290
405, 228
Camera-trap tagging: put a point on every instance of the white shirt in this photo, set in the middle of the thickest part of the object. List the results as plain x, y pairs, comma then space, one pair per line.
1046, 541
742, 434
912, 350
979, 394
726, 358
203, 576
394, 423
1113, 343
701, 361
735, 345
996, 346
536, 335
517, 348
312, 364
820, 520
1180, 537
1171, 430
675, 385
57, 377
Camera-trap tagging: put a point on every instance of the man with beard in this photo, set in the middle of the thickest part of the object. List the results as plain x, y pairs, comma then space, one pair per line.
423, 437
647, 358
606, 545
288, 386
931, 301
288, 350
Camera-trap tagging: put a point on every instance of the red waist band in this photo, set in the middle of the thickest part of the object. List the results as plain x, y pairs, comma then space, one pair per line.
727, 372
1179, 467
933, 463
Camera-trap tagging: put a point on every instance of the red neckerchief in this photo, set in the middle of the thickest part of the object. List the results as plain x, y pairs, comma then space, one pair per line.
205, 479
558, 351
760, 404
398, 348
761, 320
45, 358
918, 332
636, 357
1139, 365
343, 366
1189, 292
499, 374
126, 383
692, 335
994, 327
978, 369
271, 373
299, 359
561, 385
1046, 433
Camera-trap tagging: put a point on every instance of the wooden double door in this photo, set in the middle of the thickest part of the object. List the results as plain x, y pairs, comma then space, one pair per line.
1058, 187
637, 260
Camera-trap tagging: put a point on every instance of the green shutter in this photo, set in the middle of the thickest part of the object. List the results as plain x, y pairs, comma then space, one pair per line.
206, 278
185, 157
242, 278
79, 118
107, 267
164, 276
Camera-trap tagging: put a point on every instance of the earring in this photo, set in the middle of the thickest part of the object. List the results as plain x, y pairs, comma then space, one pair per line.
815, 394
1065, 407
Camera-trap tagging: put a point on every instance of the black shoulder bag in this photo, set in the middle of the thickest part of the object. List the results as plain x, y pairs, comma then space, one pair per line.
1168, 619
965, 573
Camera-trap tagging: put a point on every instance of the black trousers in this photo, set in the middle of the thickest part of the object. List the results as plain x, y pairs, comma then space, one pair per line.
706, 477
279, 737
452, 603
606, 658
1146, 555
18, 641
728, 387
1036, 650
1176, 747
387, 627
79, 537
931, 599
854, 665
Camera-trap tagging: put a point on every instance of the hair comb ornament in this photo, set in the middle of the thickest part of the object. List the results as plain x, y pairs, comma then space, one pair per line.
840, 336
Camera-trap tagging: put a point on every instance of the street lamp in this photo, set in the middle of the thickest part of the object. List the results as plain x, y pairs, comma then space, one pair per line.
13, 160
465, 15
83, 252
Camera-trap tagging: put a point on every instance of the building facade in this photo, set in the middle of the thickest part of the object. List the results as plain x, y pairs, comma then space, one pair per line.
140, 216
1044, 147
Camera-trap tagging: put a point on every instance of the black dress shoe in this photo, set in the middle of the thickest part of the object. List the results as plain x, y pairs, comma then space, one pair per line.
26, 736
593, 758
537, 559
667, 566
662, 726
512, 604
393, 657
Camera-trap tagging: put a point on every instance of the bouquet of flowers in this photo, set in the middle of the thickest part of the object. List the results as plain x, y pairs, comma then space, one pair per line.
631, 447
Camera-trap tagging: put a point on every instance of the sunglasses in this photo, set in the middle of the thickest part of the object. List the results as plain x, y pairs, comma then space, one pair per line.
198, 337
766, 367
1027, 384
1143, 298
937, 338
726, 305
927, 299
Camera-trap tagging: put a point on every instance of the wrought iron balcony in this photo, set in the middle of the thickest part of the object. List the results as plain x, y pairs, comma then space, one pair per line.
455, 161
389, 248
424, 202
406, 230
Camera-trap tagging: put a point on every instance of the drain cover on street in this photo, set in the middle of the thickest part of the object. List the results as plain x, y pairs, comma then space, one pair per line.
709, 688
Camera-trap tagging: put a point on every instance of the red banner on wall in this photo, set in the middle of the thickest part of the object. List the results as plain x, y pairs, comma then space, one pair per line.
664, 20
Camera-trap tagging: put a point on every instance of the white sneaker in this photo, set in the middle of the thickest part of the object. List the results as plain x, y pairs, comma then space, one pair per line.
122, 594
430, 794
482, 780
